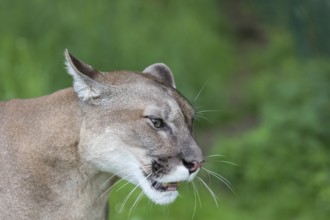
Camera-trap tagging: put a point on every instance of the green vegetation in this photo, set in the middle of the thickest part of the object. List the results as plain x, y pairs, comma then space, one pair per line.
265, 72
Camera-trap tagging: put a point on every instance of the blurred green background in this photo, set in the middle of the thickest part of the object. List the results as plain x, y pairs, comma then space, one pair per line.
260, 69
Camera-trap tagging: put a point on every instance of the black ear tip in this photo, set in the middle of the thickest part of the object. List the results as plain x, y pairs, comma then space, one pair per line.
79, 65
67, 54
72, 59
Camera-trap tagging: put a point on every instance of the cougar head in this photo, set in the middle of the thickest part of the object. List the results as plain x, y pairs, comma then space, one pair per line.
137, 126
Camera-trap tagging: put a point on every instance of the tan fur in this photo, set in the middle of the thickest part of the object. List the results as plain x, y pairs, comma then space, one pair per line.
58, 151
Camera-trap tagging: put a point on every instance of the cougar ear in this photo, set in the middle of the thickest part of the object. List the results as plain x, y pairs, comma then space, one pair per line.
162, 73
83, 77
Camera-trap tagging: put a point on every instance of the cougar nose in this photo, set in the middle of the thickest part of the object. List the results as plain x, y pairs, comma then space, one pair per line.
192, 166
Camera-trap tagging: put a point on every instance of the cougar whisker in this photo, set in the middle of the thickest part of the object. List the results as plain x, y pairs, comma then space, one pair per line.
200, 91
210, 191
112, 186
221, 178
130, 194
138, 199
215, 155
222, 161
197, 197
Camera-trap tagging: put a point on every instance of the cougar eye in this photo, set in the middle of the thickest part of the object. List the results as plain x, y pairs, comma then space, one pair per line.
157, 122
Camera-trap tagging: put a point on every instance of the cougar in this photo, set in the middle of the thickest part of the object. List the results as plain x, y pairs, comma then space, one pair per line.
58, 153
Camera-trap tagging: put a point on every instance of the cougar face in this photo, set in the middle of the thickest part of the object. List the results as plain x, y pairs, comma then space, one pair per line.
138, 127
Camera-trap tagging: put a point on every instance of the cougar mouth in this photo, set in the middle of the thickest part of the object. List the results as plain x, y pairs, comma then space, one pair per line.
164, 187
